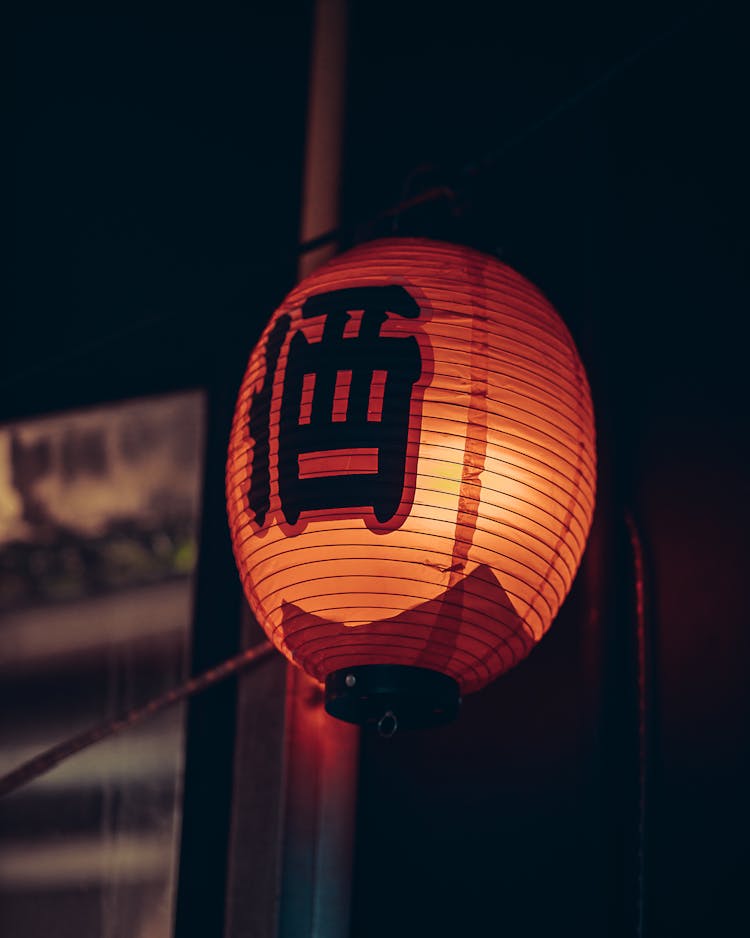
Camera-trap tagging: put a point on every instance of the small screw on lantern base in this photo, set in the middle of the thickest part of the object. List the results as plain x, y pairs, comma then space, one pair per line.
392, 697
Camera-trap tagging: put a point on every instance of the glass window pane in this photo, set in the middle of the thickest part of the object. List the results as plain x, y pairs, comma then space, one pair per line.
98, 541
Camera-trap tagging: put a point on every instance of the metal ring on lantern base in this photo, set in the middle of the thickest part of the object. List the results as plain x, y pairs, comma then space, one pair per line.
392, 697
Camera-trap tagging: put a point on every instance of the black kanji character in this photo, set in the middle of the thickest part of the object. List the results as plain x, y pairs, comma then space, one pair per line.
386, 433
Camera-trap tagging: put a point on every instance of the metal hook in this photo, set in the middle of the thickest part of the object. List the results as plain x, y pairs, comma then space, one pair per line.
387, 724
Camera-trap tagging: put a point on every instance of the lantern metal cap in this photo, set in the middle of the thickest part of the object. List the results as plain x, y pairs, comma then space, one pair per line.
392, 697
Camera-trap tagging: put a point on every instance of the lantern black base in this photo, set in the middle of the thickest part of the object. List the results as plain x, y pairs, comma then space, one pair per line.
392, 697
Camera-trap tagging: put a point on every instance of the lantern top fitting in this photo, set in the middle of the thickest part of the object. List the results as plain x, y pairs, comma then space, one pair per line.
411, 476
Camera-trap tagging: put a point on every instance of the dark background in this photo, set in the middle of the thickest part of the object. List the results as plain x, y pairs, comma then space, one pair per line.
157, 184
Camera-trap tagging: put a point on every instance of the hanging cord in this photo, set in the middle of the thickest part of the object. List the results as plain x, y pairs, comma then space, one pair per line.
491, 159
471, 169
53, 756
639, 588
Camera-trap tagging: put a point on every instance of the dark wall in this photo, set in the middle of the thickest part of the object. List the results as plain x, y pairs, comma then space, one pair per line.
158, 163
627, 204
157, 173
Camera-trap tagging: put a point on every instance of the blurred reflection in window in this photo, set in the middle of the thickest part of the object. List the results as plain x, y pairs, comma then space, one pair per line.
98, 523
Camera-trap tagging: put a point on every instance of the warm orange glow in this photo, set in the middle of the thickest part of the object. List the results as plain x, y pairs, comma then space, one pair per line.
458, 556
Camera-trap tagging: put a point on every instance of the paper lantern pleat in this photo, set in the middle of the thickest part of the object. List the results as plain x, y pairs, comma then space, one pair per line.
412, 465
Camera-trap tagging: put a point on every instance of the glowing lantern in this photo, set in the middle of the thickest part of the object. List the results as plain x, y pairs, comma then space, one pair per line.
411, 476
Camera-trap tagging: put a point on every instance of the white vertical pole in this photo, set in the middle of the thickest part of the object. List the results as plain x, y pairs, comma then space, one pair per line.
321, 189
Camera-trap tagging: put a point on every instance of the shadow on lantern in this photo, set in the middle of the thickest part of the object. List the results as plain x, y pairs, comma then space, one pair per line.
411, 475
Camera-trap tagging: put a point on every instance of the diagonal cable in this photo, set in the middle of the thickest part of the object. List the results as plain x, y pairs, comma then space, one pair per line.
47, 760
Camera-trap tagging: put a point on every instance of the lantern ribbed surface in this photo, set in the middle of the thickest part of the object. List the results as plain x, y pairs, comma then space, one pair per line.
411, 468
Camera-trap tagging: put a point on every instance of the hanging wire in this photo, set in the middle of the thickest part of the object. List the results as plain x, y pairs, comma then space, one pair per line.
639, 588
493, 157
53, 756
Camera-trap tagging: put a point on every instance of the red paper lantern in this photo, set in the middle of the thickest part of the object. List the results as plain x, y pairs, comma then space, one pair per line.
411, 475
